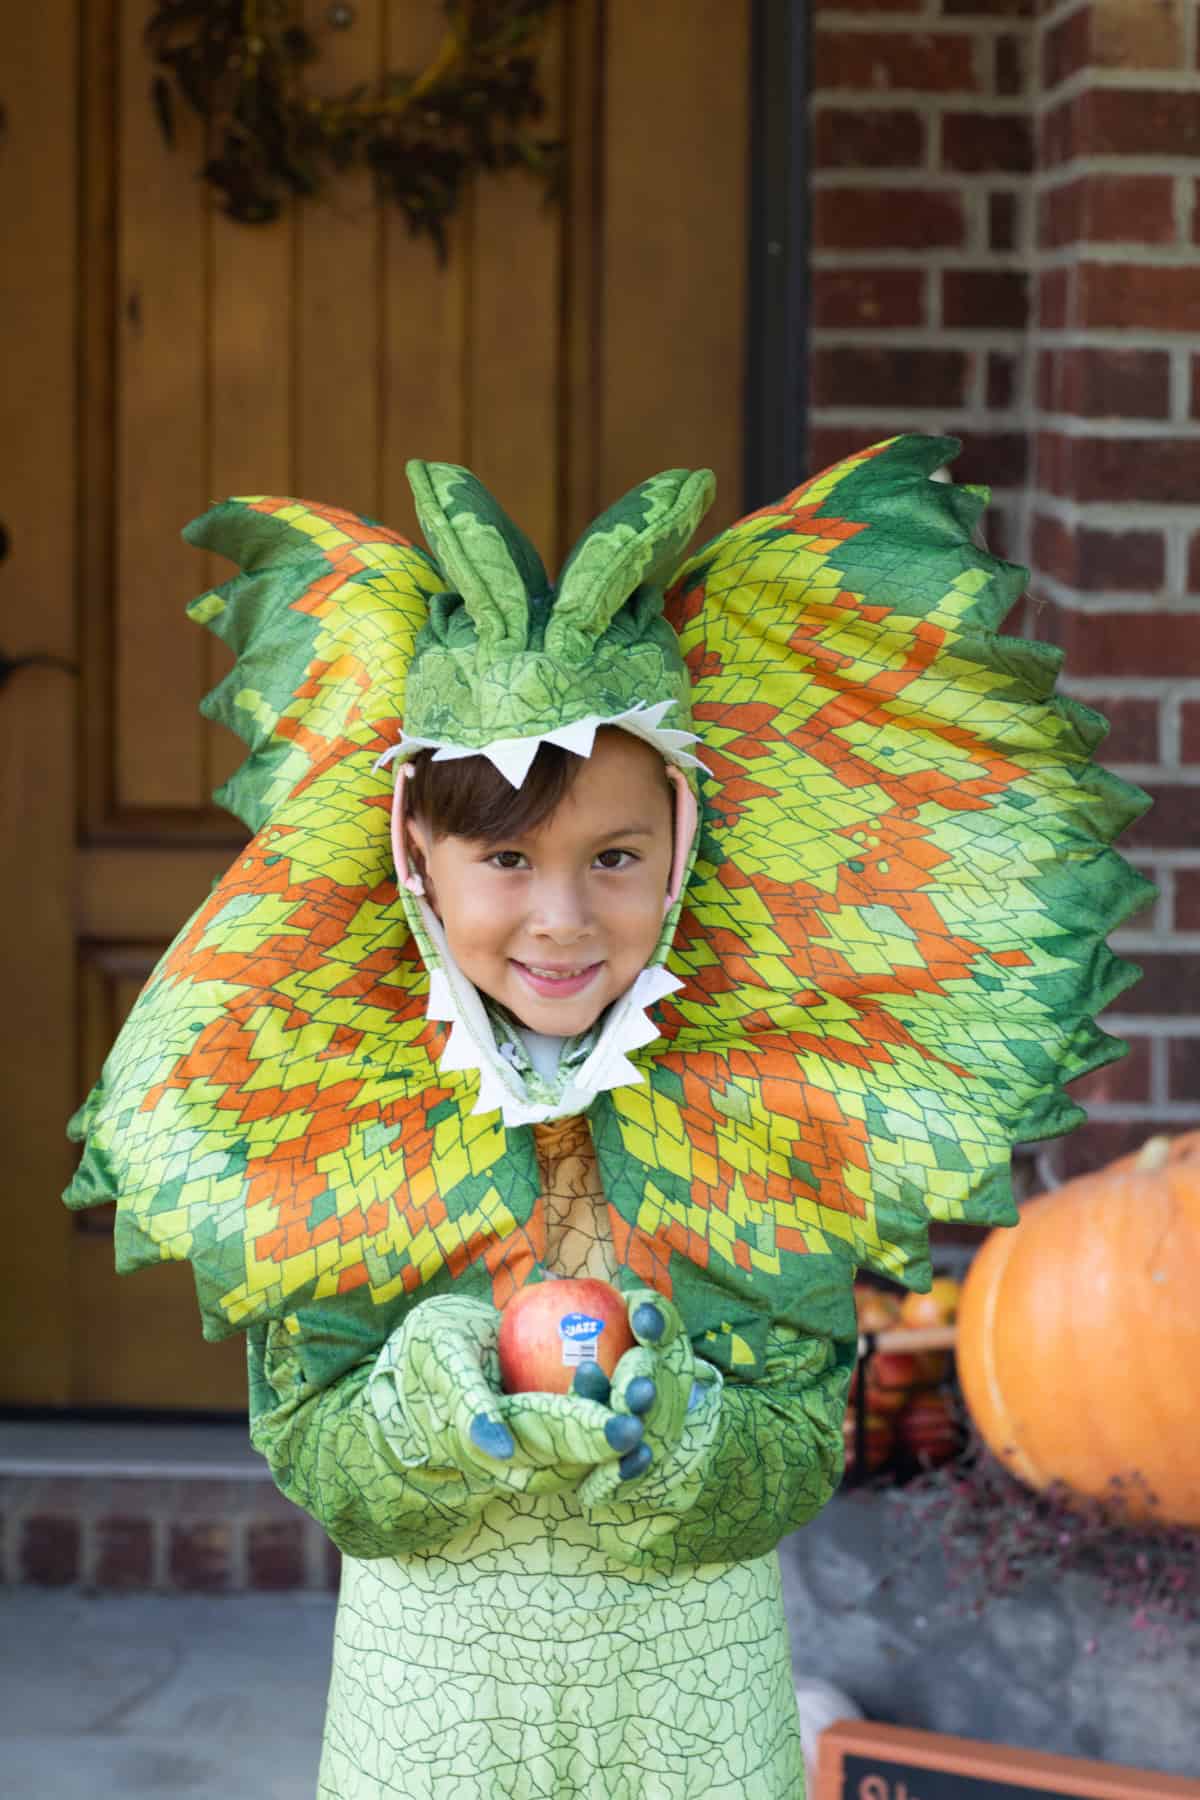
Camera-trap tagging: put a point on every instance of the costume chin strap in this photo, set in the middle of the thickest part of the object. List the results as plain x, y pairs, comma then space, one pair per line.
686, 818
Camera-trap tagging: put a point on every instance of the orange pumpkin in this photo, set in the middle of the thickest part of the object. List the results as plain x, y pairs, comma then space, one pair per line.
1079, 1334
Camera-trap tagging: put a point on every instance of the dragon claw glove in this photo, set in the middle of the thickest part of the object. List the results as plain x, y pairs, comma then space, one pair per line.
436, 1391
652, 1384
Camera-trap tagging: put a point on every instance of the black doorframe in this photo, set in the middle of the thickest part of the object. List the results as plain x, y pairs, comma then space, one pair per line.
776, 372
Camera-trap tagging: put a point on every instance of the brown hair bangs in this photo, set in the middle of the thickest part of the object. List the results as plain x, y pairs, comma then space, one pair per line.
470, 798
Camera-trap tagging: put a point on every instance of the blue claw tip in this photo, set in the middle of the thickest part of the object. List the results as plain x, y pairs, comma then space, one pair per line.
492, 1436
636, 1463
641, 1394
624, 1433
696, 1396
591, 1383
648, 1322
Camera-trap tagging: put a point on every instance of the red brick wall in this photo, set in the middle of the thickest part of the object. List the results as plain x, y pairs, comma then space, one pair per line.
1006, 246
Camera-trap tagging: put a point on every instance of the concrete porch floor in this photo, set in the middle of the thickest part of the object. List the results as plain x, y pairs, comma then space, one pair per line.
109, 1696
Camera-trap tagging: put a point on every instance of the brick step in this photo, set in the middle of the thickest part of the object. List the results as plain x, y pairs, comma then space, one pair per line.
173, 1509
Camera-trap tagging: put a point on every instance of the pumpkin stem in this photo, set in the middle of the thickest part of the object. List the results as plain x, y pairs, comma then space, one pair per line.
1153, 1155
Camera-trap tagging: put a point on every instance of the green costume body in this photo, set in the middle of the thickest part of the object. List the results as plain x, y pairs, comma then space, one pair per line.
882, 964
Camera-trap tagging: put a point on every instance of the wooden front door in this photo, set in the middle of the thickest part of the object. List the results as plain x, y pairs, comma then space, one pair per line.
159, 356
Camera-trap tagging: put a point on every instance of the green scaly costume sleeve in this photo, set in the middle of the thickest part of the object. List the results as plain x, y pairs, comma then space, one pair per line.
329, 1452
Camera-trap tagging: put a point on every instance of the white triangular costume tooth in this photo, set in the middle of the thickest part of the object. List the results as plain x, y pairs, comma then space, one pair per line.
514, 756
620, 1072
459, 1052
640, 1033
654, 984
579, 737
440, 1007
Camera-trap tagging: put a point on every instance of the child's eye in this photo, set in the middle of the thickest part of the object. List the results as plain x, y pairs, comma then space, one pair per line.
616, 859
505, 859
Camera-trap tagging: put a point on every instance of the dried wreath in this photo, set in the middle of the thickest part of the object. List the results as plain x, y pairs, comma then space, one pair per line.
240, 63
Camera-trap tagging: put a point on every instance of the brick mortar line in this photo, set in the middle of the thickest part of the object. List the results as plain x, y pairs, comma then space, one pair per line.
1072, 168
1073, 425
1153, 774
1181, 344
1113, 339
1175, 559
1170, 730
1179, 382
1160, 516
1113, 254
1187, 860
1150, 1025
1090, 605
914, 337
927, 262
1160, 1072
858, 24
1164, 906
1065, 9
923, 181
1183, 198
1061, 175
1181, 348
1124, 600
1092, 78
1171, 1112
1135, 943
956, 257
934, 101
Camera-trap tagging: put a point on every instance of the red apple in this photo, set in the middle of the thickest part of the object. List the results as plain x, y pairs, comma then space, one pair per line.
891, 1377
928, 1430
550, 1327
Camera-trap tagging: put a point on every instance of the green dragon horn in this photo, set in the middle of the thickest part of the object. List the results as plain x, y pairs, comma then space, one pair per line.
482, 554
636, 543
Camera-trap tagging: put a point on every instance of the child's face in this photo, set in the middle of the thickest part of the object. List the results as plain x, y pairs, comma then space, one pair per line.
559, 922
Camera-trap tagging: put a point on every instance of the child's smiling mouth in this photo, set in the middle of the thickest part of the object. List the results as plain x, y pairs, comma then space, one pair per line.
556, 983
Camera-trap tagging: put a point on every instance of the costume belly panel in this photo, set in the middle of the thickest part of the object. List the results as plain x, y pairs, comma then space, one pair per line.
519, 1664
578, 1238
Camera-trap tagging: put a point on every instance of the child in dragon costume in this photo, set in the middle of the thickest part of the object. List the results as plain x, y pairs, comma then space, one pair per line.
742, 915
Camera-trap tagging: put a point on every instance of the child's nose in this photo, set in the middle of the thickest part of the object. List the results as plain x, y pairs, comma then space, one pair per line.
561, 909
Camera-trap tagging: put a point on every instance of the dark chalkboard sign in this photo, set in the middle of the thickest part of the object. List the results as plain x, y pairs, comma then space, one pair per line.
861, 1761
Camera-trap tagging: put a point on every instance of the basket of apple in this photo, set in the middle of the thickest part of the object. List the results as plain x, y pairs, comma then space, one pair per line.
902, 1413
